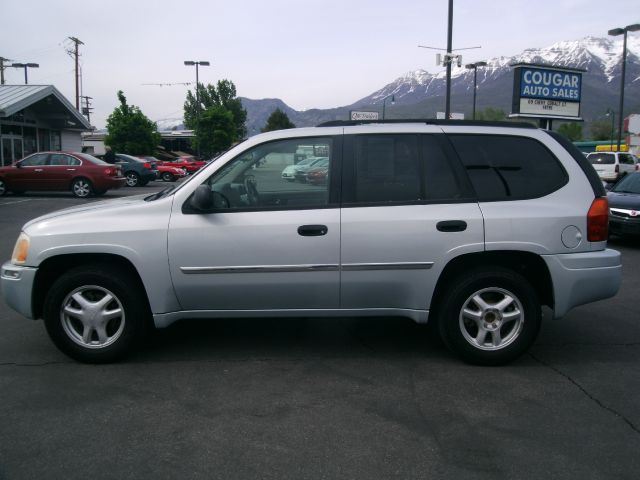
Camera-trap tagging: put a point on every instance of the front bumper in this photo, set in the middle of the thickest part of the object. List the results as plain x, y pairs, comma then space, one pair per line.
623, 221
580, 278
17, 287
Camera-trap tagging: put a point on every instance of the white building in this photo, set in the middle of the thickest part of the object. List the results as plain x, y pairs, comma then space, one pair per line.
35, 118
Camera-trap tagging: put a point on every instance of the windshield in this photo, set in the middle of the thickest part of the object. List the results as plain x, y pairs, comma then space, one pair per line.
629, 184
602, 158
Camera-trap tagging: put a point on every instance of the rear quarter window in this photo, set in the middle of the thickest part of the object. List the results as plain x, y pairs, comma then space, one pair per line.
504, 167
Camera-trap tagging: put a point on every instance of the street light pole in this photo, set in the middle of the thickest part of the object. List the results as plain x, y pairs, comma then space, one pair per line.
197, 64
612, 114
475, 71
393, 101
614, 32
25, 66
447, 106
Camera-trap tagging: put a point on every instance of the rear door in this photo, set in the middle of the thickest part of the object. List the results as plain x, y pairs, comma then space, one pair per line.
60, 170
408, 208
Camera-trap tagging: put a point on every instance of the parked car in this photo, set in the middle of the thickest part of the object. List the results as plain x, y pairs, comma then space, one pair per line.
471, 225
624, 206
79, 173
189, 163
612, 166
300, 171
289, 172
137, 172
318, 176
167, 173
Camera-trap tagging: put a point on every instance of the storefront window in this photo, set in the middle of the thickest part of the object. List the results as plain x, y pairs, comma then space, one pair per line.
44, 142
56, 141
29, 137
11, 129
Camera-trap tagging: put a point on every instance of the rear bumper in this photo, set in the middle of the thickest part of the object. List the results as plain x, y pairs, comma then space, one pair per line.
17, 286
109, 183
580, 278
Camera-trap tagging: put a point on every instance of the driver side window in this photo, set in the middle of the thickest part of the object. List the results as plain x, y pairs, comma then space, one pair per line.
284, 174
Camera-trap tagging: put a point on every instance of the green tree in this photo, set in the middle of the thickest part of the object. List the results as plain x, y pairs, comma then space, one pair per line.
278, 120
491, 114
130, 131
601, 130
215, 132
224, 95
573, 131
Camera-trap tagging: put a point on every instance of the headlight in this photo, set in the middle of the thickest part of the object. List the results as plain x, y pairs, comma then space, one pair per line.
21, 250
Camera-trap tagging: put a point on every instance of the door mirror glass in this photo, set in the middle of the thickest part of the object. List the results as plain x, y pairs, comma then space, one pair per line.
202, 199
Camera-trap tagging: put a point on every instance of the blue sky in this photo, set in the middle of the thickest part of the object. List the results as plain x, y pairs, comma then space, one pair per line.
309, 53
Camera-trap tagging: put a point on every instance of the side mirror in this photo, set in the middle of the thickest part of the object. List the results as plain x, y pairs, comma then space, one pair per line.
202, 198
608, 186
18, 165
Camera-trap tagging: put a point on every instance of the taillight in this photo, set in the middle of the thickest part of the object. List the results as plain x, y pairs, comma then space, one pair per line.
598, 220
637, 167
147, 165
109, 171
617, 169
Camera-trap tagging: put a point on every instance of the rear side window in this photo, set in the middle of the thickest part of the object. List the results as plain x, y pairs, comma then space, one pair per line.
602, 158
509, 167
402, 168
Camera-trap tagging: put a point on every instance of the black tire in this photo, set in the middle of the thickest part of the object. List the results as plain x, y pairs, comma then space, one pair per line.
500, 304
107, 335
168, 177
133, 179
81, 187
3, 187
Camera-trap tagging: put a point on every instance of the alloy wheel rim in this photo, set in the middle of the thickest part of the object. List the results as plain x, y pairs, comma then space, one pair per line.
491, 319
81, 188
92, 317
132, 180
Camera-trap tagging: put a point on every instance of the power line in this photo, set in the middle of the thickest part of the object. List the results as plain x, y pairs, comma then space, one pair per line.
167, 84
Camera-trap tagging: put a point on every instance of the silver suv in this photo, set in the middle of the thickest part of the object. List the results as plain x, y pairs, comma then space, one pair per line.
473, 226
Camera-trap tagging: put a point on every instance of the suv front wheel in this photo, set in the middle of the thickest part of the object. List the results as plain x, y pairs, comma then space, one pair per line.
94, 315
490, 316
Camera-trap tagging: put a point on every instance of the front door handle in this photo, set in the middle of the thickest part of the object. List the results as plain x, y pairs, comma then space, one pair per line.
71, 169
38, 170
312, 230
451, 226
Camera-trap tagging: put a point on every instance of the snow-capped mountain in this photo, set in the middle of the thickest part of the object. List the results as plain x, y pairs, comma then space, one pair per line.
600, 57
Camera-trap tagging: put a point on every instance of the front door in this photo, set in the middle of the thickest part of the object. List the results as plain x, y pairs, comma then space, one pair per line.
407, 210
28, 174
268, 244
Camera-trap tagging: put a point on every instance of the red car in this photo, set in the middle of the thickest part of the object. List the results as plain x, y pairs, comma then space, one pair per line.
168, 173
79, 173
318, 176
189, 163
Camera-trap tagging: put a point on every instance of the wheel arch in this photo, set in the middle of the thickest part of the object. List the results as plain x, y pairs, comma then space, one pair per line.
53, 267
529, 265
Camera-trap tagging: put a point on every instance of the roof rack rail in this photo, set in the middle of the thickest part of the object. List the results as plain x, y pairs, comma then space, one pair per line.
428, 121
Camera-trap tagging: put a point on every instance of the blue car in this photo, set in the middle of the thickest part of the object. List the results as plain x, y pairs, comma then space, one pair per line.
137, 172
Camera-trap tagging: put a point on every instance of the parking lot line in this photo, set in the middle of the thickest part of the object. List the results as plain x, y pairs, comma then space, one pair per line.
17, 201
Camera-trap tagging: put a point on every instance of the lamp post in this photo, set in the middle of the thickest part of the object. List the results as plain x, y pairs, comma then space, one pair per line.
384, 102
197, 64
612, 114
614, 32
475, 71
25, 66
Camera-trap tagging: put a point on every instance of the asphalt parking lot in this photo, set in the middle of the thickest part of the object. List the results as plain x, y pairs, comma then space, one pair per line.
321, 399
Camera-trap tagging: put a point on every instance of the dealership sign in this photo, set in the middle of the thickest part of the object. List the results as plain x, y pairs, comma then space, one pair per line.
354, 115
546, 92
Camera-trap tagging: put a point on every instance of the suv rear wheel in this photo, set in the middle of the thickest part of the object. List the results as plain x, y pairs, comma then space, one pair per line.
94, 315
490, 316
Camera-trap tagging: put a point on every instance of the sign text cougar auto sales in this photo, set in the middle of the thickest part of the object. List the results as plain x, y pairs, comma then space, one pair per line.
546, 92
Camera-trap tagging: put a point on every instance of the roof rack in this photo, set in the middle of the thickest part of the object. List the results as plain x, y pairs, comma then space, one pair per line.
428, 121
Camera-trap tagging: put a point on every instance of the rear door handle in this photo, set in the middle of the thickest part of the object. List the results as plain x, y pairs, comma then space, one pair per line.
312, 230
38, 170
451, 226
71, 169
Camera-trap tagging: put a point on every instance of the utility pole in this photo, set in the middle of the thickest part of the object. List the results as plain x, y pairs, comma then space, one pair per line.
2, 67
75, 54
86, 110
